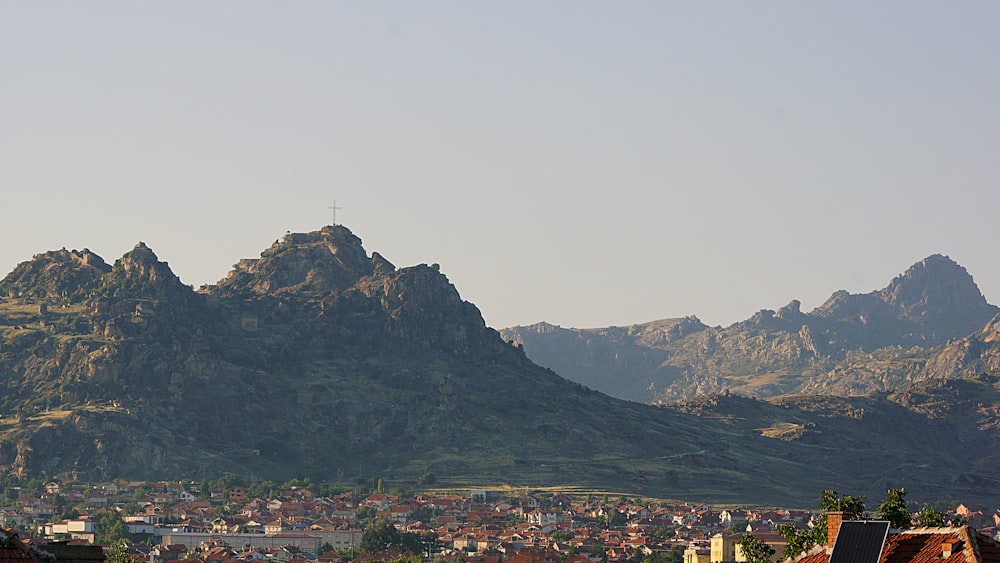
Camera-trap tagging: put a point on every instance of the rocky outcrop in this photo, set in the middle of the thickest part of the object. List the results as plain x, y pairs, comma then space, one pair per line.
58, 277
975, 354
322, 261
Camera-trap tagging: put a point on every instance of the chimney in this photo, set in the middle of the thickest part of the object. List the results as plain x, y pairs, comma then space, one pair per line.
948, 546
833, 520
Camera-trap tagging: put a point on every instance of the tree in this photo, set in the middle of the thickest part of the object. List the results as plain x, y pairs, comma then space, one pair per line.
655, 557
118, 553
427, 479
799, 541
382, 535
754, 550
930, 516
366, 513
263, 489
894, 510
664, 533
379, 536
597, 553
562, 536
110, 528
852, 507
675, 555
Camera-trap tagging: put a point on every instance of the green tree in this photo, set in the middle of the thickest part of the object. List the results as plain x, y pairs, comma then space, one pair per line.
382, 535
598, 553
379, 536
754, 550
930, 516
427, 479
140, 493
675, 555
655, 557
110, 528
263, 489
894, 509
118, 552
399, 492
562, 535
852, 507
666, 532
799, 541
366, 513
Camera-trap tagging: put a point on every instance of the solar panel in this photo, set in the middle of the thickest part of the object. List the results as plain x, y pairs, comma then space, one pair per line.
859, 541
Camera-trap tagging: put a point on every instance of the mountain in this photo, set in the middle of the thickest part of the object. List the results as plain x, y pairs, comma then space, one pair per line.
852, 344
320, 359
314, 358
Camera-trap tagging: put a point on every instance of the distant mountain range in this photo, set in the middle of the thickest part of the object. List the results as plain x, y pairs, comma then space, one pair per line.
319, 359
852, 344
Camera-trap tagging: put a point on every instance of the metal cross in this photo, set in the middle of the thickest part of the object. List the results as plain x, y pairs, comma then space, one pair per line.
334, 208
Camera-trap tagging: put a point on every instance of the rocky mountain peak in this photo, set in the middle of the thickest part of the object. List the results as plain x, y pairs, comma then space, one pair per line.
332, 258
58, 276
937, 289
140, 274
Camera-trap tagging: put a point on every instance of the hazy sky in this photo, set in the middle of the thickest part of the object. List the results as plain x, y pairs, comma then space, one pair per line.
583, 163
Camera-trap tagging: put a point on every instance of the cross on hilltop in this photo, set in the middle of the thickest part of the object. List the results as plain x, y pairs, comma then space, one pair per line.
334, 208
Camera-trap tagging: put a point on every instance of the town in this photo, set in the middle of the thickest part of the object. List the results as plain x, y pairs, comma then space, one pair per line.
303, 522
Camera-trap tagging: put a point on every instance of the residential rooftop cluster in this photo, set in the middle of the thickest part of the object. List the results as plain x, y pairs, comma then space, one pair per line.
168, 522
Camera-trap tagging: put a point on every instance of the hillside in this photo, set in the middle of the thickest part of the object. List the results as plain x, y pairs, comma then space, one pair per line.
320, 359
852, 344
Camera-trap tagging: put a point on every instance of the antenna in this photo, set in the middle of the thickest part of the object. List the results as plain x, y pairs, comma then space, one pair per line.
334, 208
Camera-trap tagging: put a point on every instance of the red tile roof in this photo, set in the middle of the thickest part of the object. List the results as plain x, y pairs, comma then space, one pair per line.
926, 545
13, 550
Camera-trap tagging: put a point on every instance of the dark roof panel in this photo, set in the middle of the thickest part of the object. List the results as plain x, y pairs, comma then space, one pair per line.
859, 541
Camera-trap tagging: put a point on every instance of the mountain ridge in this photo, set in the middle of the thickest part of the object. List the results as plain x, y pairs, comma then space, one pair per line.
773, 352
317, 358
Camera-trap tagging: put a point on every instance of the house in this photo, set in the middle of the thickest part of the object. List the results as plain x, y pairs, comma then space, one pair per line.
723, 547
80, 528
237, 493
951, 544
696, 555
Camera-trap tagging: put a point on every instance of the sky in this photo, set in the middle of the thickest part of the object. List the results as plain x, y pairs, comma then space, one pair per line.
582, 163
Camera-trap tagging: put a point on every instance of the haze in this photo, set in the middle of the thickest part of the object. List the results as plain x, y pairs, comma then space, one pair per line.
583, 163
